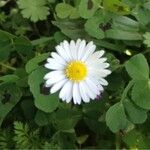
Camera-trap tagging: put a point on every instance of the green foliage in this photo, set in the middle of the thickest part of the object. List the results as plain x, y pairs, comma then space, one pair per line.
141, 94
34, 62
92, 26
31, 118
135, 114
65, 10
116, 118
147, 39
35, 9
25, 138
87, 8
136, 139
116, 6
66, 119
47, 103
6, 141
138, 68
10, 95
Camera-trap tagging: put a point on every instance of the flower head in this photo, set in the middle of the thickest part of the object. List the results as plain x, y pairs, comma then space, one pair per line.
77, 70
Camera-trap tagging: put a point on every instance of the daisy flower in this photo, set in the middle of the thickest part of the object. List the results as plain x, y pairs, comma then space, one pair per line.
77, 70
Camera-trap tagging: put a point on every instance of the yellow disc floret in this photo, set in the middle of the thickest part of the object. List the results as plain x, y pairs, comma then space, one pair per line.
76, 71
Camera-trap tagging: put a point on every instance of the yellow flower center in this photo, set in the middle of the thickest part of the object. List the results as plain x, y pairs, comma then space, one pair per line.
76, 71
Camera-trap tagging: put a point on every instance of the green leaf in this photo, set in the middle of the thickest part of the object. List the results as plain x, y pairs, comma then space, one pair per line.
66, 119
35, 10
141, 93
41, 41
34, 62
64, 10
87, 8
116, 118
9, 78
116, 82
41, 118
95, 125
116, 6
94, 109
135, 113
10, 95
4, 36
137, 67
147, 5
92, 26
26, 138
46, 103
125, 23
70, 28
23, 76
136, 140
23, 46
142, 15
147, 39
6, 46
123, 35
74, 14
59, 37
61, 140
118, 47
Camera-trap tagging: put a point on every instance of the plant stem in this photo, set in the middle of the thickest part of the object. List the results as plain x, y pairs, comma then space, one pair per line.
128, 87
118, 141
7, 66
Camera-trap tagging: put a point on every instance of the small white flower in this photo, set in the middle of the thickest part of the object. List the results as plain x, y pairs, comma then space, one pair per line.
77, 71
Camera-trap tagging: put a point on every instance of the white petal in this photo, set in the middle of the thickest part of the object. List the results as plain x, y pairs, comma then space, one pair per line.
64, 91
58, 57
94, 60
89, 49
54, 66
97, 54
81, 49
83, 92
53, 60
92, 86
97, 65
66, 47
73, 50
53, 74
69, 94
57, 86
77, 46
57, 78
104, 65
88, 91
76, 94
98, 73
103, 81
101, 60
105, 72
78, 43
97, 83
62, 52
